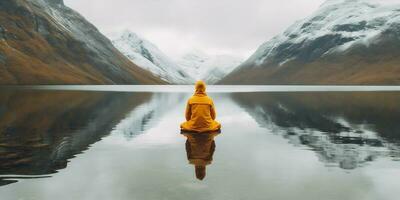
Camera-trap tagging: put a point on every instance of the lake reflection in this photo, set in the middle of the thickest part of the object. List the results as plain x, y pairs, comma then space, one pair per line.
344, 129
41, 131
114, 145
200, 150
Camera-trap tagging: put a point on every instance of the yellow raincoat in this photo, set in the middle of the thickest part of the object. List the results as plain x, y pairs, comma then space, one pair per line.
200, 112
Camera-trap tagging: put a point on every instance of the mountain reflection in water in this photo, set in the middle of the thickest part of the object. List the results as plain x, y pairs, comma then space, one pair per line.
344, 129
42, 131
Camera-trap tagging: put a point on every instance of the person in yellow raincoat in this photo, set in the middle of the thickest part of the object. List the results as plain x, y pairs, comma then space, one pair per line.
200, 112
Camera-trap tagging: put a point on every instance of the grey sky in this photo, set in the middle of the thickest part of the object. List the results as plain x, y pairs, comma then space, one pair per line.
214, 26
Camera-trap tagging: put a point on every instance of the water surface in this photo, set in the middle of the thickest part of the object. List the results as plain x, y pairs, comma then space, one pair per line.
281, 144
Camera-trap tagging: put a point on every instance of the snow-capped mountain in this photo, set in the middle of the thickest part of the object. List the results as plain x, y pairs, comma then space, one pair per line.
149, 57
46, 42
343, 42
209, 68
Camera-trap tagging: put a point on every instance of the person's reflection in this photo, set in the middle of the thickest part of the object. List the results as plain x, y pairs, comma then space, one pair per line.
200, 149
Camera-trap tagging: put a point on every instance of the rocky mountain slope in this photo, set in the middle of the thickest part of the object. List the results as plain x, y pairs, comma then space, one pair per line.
149, 57
45, 42
343, 42
210, 68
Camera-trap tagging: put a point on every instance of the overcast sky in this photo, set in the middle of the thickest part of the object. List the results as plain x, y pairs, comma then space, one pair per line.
214, 26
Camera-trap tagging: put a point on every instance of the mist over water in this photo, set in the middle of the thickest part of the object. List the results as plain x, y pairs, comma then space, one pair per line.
57, 144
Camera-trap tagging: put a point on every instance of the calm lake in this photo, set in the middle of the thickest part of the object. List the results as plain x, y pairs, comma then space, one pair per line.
122, 142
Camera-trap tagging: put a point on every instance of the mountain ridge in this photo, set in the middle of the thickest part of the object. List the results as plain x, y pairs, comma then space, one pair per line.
192, 66
343, 42
149, 57
45, 42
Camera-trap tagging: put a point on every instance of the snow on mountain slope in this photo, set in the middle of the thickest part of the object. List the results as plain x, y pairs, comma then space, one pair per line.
149, 57
344, 22
192, 66
46, 42
209, 68
352, 34
219, 66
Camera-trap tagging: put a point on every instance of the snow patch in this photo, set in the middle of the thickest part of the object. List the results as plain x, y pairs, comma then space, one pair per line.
352, 22
149, 57
209, 68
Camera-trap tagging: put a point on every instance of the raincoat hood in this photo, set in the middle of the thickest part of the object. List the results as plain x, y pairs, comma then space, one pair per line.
200, 88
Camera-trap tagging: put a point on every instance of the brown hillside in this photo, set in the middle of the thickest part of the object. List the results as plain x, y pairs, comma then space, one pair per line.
36, 48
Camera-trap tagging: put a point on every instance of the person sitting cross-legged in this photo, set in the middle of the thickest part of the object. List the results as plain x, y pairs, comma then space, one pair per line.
200, 112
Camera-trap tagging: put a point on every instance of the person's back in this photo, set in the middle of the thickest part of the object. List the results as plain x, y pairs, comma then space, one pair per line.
200, 112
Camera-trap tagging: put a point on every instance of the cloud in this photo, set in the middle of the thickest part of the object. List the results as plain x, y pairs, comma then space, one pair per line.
215, 26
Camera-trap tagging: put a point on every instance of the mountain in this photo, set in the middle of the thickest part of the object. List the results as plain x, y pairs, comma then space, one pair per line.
343, 42
149, 57
209, 68
195, 65
45, 42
